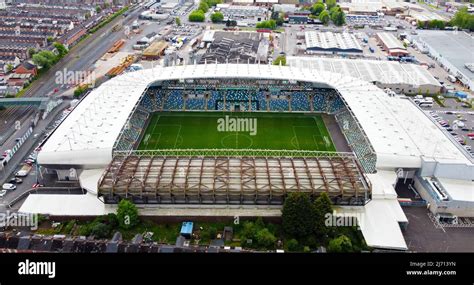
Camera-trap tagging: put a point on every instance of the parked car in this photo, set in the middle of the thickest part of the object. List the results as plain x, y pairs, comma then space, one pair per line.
3, 192
8, 186
15, 180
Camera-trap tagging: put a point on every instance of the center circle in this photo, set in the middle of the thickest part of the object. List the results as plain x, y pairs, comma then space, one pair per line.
233, 141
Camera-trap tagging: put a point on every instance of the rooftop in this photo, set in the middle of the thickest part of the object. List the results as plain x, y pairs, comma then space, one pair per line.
454, 47
332, 41
386, 72
390, 41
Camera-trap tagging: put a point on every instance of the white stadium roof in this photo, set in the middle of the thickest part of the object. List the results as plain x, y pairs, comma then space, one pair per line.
399, 132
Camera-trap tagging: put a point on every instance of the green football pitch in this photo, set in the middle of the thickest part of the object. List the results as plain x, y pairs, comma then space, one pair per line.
205, 130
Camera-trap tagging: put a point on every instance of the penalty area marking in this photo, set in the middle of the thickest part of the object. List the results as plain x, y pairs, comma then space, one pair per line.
145, 140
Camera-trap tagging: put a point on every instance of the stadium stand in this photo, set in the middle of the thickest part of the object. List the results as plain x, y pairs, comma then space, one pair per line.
174, 100
279, 104
262, 101
300, 102
357, 140
195, 103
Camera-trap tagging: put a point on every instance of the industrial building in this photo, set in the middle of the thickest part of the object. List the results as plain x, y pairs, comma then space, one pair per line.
391, 44
155, 50
328, 42
242, 47
403, 78
453, 51
248, 14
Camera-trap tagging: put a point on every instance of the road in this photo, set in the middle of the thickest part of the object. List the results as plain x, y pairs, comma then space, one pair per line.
28, 146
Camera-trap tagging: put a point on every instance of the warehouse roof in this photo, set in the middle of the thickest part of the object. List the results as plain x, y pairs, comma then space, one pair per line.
332, 41
155, 49
453, 47
386, 72
390, 41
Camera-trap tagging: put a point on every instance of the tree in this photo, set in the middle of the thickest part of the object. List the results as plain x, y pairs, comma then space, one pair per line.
80, 90
298, 215
217, 17
100, 230
293, 245
317, 8
98, 9
127, 214
9, 67
463, 19
437, 24
49, 39
269, 24
177, 20
324, 17
322, 207
340, 244
212, 232
265, 238
112, 220
278, 17
203, 7
62, 50
337, 16
196, 16
42, 61
31, 51
281, 59
230, 23
330, 4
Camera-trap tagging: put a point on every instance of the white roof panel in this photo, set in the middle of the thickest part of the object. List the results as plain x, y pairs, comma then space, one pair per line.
461, 190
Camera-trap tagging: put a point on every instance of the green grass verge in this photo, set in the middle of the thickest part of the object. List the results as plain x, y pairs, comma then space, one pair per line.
108, 20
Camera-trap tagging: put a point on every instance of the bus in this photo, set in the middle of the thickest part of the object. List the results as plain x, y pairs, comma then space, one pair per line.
426, 103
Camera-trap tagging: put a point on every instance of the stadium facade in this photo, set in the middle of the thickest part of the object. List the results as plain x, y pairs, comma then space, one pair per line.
390, 139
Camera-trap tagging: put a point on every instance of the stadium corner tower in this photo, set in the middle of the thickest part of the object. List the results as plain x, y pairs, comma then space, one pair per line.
150, 136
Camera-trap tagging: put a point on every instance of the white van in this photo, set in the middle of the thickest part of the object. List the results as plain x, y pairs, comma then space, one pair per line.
451, 78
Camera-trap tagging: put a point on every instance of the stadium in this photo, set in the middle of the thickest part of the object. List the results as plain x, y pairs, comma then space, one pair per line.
234, 139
